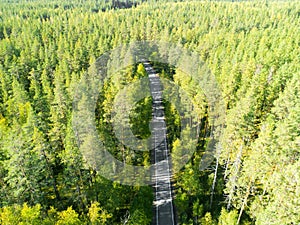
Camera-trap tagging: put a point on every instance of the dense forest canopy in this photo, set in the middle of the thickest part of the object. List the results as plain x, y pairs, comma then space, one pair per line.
251, 47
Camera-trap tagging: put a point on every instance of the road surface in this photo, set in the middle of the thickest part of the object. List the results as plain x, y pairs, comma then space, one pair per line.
163, 201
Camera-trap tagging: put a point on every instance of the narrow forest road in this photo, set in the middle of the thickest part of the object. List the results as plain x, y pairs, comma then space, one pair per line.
163, 202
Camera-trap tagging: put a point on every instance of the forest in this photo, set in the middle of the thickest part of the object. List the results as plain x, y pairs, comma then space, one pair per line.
251, 47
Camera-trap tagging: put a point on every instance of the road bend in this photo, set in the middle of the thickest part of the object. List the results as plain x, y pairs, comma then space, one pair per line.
161, 177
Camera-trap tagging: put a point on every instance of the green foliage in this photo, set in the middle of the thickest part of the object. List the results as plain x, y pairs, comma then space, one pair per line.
68, 217
140, 117
252, 48
30, 215
98, 215
24, 215
141, 210
141, 72
207, 219
9, 215
227, 218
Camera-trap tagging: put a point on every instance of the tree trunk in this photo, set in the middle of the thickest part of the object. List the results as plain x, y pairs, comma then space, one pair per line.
234, 177
244, 203
215, 178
